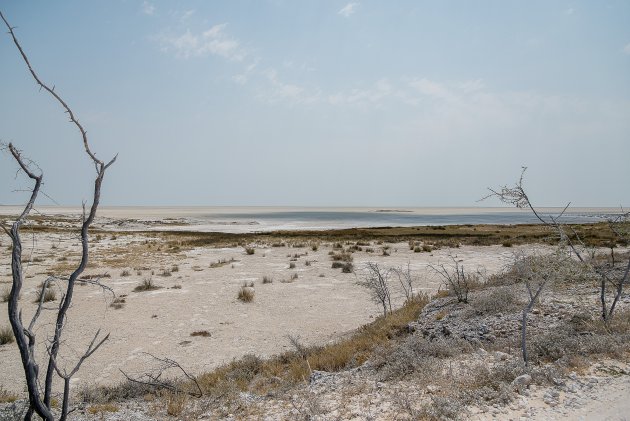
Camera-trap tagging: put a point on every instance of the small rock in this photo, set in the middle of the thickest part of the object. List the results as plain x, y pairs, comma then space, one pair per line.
522, 381
501, 356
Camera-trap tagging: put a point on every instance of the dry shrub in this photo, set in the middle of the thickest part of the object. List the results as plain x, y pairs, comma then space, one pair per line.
417, 355
267, 279
490, 384
49, 294
175, 403
125, 273
442, 408
246, 294
250, 250
341, 257
497, 300
202, 333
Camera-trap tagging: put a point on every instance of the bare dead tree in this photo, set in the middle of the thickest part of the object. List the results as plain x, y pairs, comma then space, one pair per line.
516, 196
455, 278
40, 401
376, 280
406, 280
536, 273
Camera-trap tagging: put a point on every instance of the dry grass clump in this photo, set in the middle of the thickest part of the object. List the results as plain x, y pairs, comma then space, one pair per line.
291, 265
202, 333
175, 403
6, 396
99, 408
341, 257
267, 279
125, 273
146, 285
246, 294
222, 262
346, 267
118, 303
6, 335
166, 272
48, 293
250, 250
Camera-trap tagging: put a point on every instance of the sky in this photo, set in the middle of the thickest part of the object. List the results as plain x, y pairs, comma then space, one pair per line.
320, 103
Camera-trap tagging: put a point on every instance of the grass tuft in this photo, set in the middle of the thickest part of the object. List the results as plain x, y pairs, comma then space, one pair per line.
6, 335
146, 285
246, 294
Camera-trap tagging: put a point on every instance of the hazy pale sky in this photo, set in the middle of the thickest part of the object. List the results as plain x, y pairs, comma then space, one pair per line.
321, 103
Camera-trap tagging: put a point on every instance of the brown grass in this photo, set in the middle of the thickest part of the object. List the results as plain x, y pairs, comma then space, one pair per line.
102, 407
246, 294
6, 396
6, 335
146, 285
202, 333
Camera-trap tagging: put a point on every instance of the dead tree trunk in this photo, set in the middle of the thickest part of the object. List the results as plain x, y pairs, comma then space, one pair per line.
25, 336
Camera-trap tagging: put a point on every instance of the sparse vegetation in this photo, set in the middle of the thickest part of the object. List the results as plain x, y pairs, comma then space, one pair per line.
6, 335
250, 250
48, 293
267, 279
125, 273
103, 407
6, 396
118, 303
202, 333
146, 285
246, 294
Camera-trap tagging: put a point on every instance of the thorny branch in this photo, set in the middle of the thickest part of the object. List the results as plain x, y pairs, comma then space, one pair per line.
42, 407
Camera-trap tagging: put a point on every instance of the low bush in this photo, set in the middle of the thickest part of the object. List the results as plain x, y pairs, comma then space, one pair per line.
497, 300
267, 279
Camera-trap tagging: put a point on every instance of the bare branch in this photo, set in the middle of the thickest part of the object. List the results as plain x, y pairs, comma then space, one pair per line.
153, 377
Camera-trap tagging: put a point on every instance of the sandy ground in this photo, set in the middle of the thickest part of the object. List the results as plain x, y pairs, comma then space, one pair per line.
321, 305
